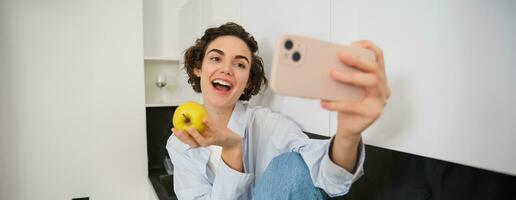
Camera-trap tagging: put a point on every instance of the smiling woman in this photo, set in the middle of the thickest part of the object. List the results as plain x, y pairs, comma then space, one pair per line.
194, 56
253, 153
225, 71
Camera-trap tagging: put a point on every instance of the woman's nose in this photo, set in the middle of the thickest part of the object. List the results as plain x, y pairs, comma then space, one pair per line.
227, 69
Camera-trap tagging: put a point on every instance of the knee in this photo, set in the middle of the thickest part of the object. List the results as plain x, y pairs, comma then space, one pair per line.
291, 166
287, 160
286, 177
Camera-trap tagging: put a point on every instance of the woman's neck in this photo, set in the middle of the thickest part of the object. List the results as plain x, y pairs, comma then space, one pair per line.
219, 115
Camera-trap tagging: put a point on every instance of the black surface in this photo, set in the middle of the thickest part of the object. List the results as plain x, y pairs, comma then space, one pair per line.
388, 174
163, 184
159, 123
396, 175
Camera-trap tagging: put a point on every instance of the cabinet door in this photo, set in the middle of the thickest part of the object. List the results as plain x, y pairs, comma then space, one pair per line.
451, 69
160, 22
194, 18
267, 20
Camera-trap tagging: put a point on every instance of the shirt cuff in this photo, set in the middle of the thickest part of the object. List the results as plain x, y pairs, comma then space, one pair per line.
229, 183
340, 178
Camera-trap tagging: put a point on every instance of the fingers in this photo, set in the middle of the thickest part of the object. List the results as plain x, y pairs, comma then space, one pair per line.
371, 46
199, 138
370, 109
346, 107
185, 138
357, 62
209, 124
377, 51
192, 138
355, 78
379, 66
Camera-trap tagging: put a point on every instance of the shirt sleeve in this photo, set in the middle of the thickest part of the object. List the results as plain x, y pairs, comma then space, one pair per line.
191, 176
229, 183
325, 174
335, 180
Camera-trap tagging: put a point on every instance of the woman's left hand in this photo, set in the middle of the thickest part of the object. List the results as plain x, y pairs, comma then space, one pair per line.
355, 117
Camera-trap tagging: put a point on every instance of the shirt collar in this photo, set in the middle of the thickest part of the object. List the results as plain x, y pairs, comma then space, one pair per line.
237, 121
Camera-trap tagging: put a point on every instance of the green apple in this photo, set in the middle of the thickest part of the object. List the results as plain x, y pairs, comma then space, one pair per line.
190, 115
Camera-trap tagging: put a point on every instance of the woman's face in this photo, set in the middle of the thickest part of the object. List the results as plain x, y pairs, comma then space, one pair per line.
225, 71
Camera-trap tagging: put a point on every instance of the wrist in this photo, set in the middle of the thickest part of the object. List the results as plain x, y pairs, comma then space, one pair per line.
232, 156
233, 144
349, 137
344, 151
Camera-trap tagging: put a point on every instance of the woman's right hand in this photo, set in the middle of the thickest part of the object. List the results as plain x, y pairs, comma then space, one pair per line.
216, 134
213, 135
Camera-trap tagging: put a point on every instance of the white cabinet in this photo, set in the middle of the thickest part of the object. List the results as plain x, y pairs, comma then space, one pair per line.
160, 28
451, 67
195, 16
162, 49
267, 20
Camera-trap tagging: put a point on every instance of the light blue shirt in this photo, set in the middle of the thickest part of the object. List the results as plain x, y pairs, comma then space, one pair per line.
265, 135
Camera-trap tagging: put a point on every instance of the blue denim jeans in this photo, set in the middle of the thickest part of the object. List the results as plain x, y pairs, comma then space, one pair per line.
287, 177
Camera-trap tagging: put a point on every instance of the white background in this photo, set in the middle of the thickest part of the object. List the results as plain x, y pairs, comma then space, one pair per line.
451, 67
72, 98
72, 110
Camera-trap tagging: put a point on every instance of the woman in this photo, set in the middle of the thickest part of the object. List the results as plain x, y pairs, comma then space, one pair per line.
253, 153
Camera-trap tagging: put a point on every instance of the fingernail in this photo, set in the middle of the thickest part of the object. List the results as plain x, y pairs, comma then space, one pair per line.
324, 103
346, 56
333, 73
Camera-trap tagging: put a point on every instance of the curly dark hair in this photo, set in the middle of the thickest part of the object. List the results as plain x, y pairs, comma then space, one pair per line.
194, 56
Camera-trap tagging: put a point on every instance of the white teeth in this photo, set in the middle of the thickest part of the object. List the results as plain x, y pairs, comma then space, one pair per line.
222, 82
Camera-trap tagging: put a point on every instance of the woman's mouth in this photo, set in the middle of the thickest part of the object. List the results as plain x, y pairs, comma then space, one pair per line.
221, 86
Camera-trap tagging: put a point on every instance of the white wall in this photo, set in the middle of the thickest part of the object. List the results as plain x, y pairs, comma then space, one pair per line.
72, 100
266, 21
451, 67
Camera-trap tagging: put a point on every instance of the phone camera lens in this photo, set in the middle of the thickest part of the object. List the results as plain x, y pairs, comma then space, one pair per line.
296, 56
289, 44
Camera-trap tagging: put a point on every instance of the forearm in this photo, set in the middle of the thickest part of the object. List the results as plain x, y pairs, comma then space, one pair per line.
232, 156
344, 151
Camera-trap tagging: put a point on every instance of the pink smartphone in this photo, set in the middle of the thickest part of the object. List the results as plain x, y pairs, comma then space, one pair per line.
301, 67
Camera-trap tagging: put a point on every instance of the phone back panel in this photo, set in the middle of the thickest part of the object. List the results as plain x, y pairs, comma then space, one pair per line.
309, 76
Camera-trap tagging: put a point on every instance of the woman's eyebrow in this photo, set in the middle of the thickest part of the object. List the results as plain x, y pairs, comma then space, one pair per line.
222, 53
216, 50
242, 57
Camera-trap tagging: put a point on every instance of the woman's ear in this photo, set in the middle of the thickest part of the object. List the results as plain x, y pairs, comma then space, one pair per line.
197, 72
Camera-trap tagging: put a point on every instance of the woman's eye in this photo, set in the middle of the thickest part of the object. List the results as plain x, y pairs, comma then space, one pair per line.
216, 59
241, 65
